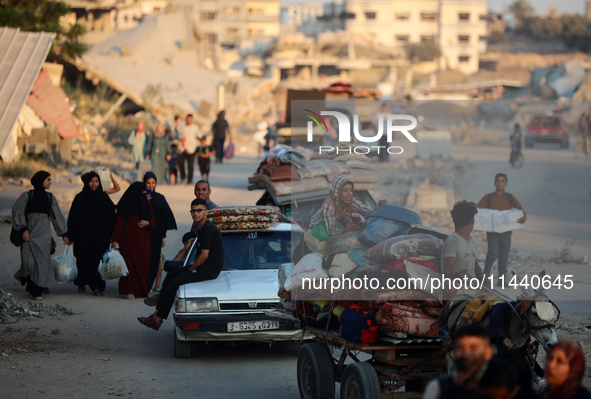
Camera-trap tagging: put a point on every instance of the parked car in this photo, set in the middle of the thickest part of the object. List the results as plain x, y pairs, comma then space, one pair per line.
547, 128
232, 307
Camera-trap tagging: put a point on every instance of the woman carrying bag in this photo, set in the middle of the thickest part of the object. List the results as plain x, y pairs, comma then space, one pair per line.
33, 214
134, 220
90, 225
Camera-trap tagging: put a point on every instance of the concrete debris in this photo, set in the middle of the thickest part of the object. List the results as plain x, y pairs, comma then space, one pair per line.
12, 309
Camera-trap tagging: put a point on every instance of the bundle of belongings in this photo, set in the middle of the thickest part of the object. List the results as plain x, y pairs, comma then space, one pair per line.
289, 171
244, 217
391, 246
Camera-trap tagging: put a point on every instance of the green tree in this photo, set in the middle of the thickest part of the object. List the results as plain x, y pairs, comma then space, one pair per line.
44, 16
522, 10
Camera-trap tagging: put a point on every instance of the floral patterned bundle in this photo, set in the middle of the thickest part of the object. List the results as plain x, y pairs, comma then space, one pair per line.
244, 226
408, 318
243, 210
245, 218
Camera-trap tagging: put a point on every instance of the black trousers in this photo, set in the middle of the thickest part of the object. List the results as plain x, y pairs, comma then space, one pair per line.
219, 148
171, 284
191, 164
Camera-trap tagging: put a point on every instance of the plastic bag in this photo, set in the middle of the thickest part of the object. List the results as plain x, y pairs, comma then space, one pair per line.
113, 265
64, 266
229, 153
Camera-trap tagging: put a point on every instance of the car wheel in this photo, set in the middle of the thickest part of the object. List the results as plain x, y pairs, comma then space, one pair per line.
315, 372
182, 349
360, 380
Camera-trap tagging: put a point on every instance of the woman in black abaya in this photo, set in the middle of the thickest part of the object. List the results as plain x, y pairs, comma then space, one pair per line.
90, 226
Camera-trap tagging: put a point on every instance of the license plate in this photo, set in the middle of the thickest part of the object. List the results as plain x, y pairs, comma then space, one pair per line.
238, 326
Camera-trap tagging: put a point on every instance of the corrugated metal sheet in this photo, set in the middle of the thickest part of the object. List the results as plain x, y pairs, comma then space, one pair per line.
50, 103
21, 57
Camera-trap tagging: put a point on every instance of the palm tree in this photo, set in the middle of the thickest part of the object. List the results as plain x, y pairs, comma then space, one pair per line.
522, 10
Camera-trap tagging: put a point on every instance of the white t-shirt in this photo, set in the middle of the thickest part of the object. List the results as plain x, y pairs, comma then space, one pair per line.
463, 250
192, 135
259, 135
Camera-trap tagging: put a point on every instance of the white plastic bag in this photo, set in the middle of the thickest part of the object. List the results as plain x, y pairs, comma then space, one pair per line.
64, 266
310, 267
113, 265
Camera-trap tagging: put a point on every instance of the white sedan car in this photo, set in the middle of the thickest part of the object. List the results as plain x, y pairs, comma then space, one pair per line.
232, 307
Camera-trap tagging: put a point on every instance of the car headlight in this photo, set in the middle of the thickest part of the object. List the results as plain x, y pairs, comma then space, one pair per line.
197, 305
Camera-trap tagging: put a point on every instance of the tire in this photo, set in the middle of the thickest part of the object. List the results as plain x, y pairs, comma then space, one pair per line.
315, 372
360, 381
182, 349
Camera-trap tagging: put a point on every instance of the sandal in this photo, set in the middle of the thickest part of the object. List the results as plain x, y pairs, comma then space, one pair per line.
150, 322
98, 292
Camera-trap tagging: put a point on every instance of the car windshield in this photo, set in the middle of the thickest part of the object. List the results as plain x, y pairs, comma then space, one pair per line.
261, 249
546, 121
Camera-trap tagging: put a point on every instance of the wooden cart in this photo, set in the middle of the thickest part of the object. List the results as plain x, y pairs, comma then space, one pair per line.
392, 364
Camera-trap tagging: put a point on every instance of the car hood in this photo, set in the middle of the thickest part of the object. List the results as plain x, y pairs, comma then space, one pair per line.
236, 285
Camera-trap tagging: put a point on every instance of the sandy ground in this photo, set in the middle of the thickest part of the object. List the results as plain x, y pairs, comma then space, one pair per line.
102, 351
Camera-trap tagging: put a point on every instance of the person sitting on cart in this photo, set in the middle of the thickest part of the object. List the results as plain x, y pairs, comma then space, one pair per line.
472, 351
335, 216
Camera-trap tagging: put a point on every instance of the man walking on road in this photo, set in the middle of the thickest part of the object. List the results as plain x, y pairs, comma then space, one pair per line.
220, 129
187, 148
499, 244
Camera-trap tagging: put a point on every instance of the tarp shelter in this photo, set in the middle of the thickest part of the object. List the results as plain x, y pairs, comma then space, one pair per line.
21, 56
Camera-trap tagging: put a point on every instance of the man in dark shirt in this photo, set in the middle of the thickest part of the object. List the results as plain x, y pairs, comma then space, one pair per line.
219, 129
207, 265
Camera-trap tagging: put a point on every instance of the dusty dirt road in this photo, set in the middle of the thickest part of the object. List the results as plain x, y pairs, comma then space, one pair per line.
102, 351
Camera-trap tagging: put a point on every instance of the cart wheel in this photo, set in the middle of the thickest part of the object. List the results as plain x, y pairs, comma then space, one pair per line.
182, 349
360, 381
315, 373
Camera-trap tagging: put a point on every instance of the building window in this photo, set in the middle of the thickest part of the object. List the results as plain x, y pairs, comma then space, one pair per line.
156, 9
463, 59
428, 16
402, 16
483, 38
428, 39
211, 38
232, 31
402, 39
464, 39
208, 15
370, 15
256, 11
483, 17
464, 17
255, 32
232, 10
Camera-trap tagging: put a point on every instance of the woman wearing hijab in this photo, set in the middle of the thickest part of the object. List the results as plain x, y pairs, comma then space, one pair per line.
90, 227
336, 212
564, 372
158, 152
33, 213
134, 220
164, 221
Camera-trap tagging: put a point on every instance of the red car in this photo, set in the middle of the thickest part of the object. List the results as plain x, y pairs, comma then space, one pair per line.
547, 128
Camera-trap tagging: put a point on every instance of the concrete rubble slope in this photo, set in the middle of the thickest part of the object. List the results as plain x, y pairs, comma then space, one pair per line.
152, 55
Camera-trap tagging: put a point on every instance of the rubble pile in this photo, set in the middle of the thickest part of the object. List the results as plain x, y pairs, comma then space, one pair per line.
12, 309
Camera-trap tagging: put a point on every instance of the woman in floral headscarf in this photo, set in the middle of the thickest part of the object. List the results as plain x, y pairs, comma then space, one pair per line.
90, 226
564, 371
33, 213
336, 212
